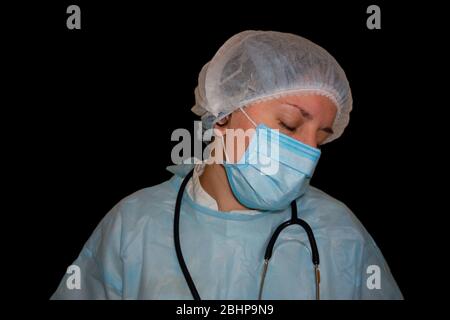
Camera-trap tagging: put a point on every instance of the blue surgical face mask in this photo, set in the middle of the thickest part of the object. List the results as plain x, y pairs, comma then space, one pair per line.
274, 170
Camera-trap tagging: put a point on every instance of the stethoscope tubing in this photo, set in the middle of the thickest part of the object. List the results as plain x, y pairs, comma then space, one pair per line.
269, 249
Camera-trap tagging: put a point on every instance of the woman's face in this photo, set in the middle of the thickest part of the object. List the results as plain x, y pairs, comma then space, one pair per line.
306, 118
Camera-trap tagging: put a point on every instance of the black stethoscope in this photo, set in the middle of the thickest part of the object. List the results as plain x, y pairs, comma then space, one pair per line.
269, 249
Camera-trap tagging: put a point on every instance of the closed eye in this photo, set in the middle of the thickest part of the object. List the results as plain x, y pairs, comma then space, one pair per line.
328, 130
284, 125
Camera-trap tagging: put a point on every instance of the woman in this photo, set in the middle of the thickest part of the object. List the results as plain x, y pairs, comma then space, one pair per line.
212, 243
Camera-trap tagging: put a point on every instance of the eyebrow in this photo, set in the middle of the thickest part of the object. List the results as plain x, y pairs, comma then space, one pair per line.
309, 116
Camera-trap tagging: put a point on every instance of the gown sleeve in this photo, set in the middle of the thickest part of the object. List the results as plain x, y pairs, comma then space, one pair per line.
377, 282
99, 264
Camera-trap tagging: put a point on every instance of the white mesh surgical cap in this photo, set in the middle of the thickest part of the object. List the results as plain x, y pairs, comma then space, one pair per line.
253, 66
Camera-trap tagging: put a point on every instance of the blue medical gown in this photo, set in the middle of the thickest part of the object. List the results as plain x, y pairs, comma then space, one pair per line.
131, 253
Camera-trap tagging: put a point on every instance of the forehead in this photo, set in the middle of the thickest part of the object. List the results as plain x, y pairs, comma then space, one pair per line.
312, 103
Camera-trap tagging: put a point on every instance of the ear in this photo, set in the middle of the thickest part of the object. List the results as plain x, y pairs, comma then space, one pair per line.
222, 124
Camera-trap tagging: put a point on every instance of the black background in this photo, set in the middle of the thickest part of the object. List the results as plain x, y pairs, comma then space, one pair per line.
94, 110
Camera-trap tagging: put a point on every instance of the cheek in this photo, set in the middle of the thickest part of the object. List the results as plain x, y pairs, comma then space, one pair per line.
234, 139
321, 137
238, 122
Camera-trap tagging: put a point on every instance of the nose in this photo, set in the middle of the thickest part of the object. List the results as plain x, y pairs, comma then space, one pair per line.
307, 136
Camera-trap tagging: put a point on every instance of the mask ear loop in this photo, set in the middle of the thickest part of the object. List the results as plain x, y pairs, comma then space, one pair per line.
221, 136
224, 148
248, 117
